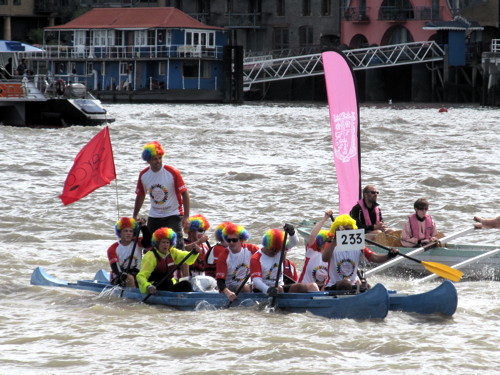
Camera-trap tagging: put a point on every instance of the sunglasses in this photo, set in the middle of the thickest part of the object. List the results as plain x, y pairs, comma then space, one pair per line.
422, 208
229, 240
373, 192
201, 231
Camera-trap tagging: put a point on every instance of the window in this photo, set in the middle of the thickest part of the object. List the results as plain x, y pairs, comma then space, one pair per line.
99, 38
197, 38
193, 69
306, 7
151, 37
80, 38
229, 6
280, 38
123, 68
111, 37
280, 8
17, 2
162, 68
326, 8
118, 38
141, 38
89, 67
255, 6
305, 36
203, 6
177, 4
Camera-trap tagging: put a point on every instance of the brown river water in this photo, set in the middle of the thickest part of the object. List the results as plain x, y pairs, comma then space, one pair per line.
259, 165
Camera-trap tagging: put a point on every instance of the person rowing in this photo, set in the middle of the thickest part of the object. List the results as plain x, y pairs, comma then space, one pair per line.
314, 269
125, 255
266, 267
419, 229
163, 259
196, 228
233, 264
343, 265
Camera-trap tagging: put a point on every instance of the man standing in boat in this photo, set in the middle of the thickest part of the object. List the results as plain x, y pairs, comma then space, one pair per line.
368, 215
167, 191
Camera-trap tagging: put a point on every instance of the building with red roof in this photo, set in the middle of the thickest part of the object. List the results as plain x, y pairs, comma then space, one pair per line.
140, 54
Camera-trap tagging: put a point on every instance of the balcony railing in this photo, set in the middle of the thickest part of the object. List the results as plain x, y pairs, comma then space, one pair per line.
47, 6
357, 14
127, 52
244, 20
395, 13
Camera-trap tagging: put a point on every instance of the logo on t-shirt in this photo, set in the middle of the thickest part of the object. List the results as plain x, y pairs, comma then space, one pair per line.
320, 273
158, 193
345, 267
239, 273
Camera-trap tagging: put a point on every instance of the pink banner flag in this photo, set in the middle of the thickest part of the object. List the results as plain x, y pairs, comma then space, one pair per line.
344, 123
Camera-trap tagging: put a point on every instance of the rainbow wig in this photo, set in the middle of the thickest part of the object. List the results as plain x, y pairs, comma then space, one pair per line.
219, 235
198, 222
151, 150
161, 234
125, 222
342, 221
235, 230
273, 240
322, 237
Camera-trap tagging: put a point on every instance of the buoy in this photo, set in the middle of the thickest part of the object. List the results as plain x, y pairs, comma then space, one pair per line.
443, 109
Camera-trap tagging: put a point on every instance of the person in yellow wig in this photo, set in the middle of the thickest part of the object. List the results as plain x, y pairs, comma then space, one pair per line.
343, 265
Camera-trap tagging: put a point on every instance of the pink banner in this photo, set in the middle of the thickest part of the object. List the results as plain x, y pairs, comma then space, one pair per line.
344, 123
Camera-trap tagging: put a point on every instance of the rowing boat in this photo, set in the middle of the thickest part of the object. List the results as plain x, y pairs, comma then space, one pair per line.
372, 304
479, 261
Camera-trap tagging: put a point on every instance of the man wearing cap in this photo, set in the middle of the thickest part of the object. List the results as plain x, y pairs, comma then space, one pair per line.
167, 191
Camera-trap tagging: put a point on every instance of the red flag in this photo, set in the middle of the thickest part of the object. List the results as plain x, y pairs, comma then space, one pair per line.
94, 167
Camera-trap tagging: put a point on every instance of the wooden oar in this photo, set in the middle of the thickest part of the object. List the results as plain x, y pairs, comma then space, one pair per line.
465, 262
280, 264
439, 269
169, 275
418, 251
240, 288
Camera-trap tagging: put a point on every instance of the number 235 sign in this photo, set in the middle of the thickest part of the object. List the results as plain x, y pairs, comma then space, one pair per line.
350, 239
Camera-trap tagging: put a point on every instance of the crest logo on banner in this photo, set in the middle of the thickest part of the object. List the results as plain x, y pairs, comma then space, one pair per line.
346, 140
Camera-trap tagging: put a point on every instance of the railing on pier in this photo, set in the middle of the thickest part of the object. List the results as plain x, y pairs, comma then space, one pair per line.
495, 45
126, 52
267, 70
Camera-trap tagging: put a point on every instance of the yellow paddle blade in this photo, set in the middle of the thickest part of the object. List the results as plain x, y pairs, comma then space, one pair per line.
443, 270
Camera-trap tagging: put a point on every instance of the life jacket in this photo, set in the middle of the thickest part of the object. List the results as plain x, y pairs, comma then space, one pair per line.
415, 230
366, 214
290, 271
163, 267
198, 266
211, 259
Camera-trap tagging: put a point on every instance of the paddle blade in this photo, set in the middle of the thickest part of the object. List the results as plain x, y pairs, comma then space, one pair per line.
443, 270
